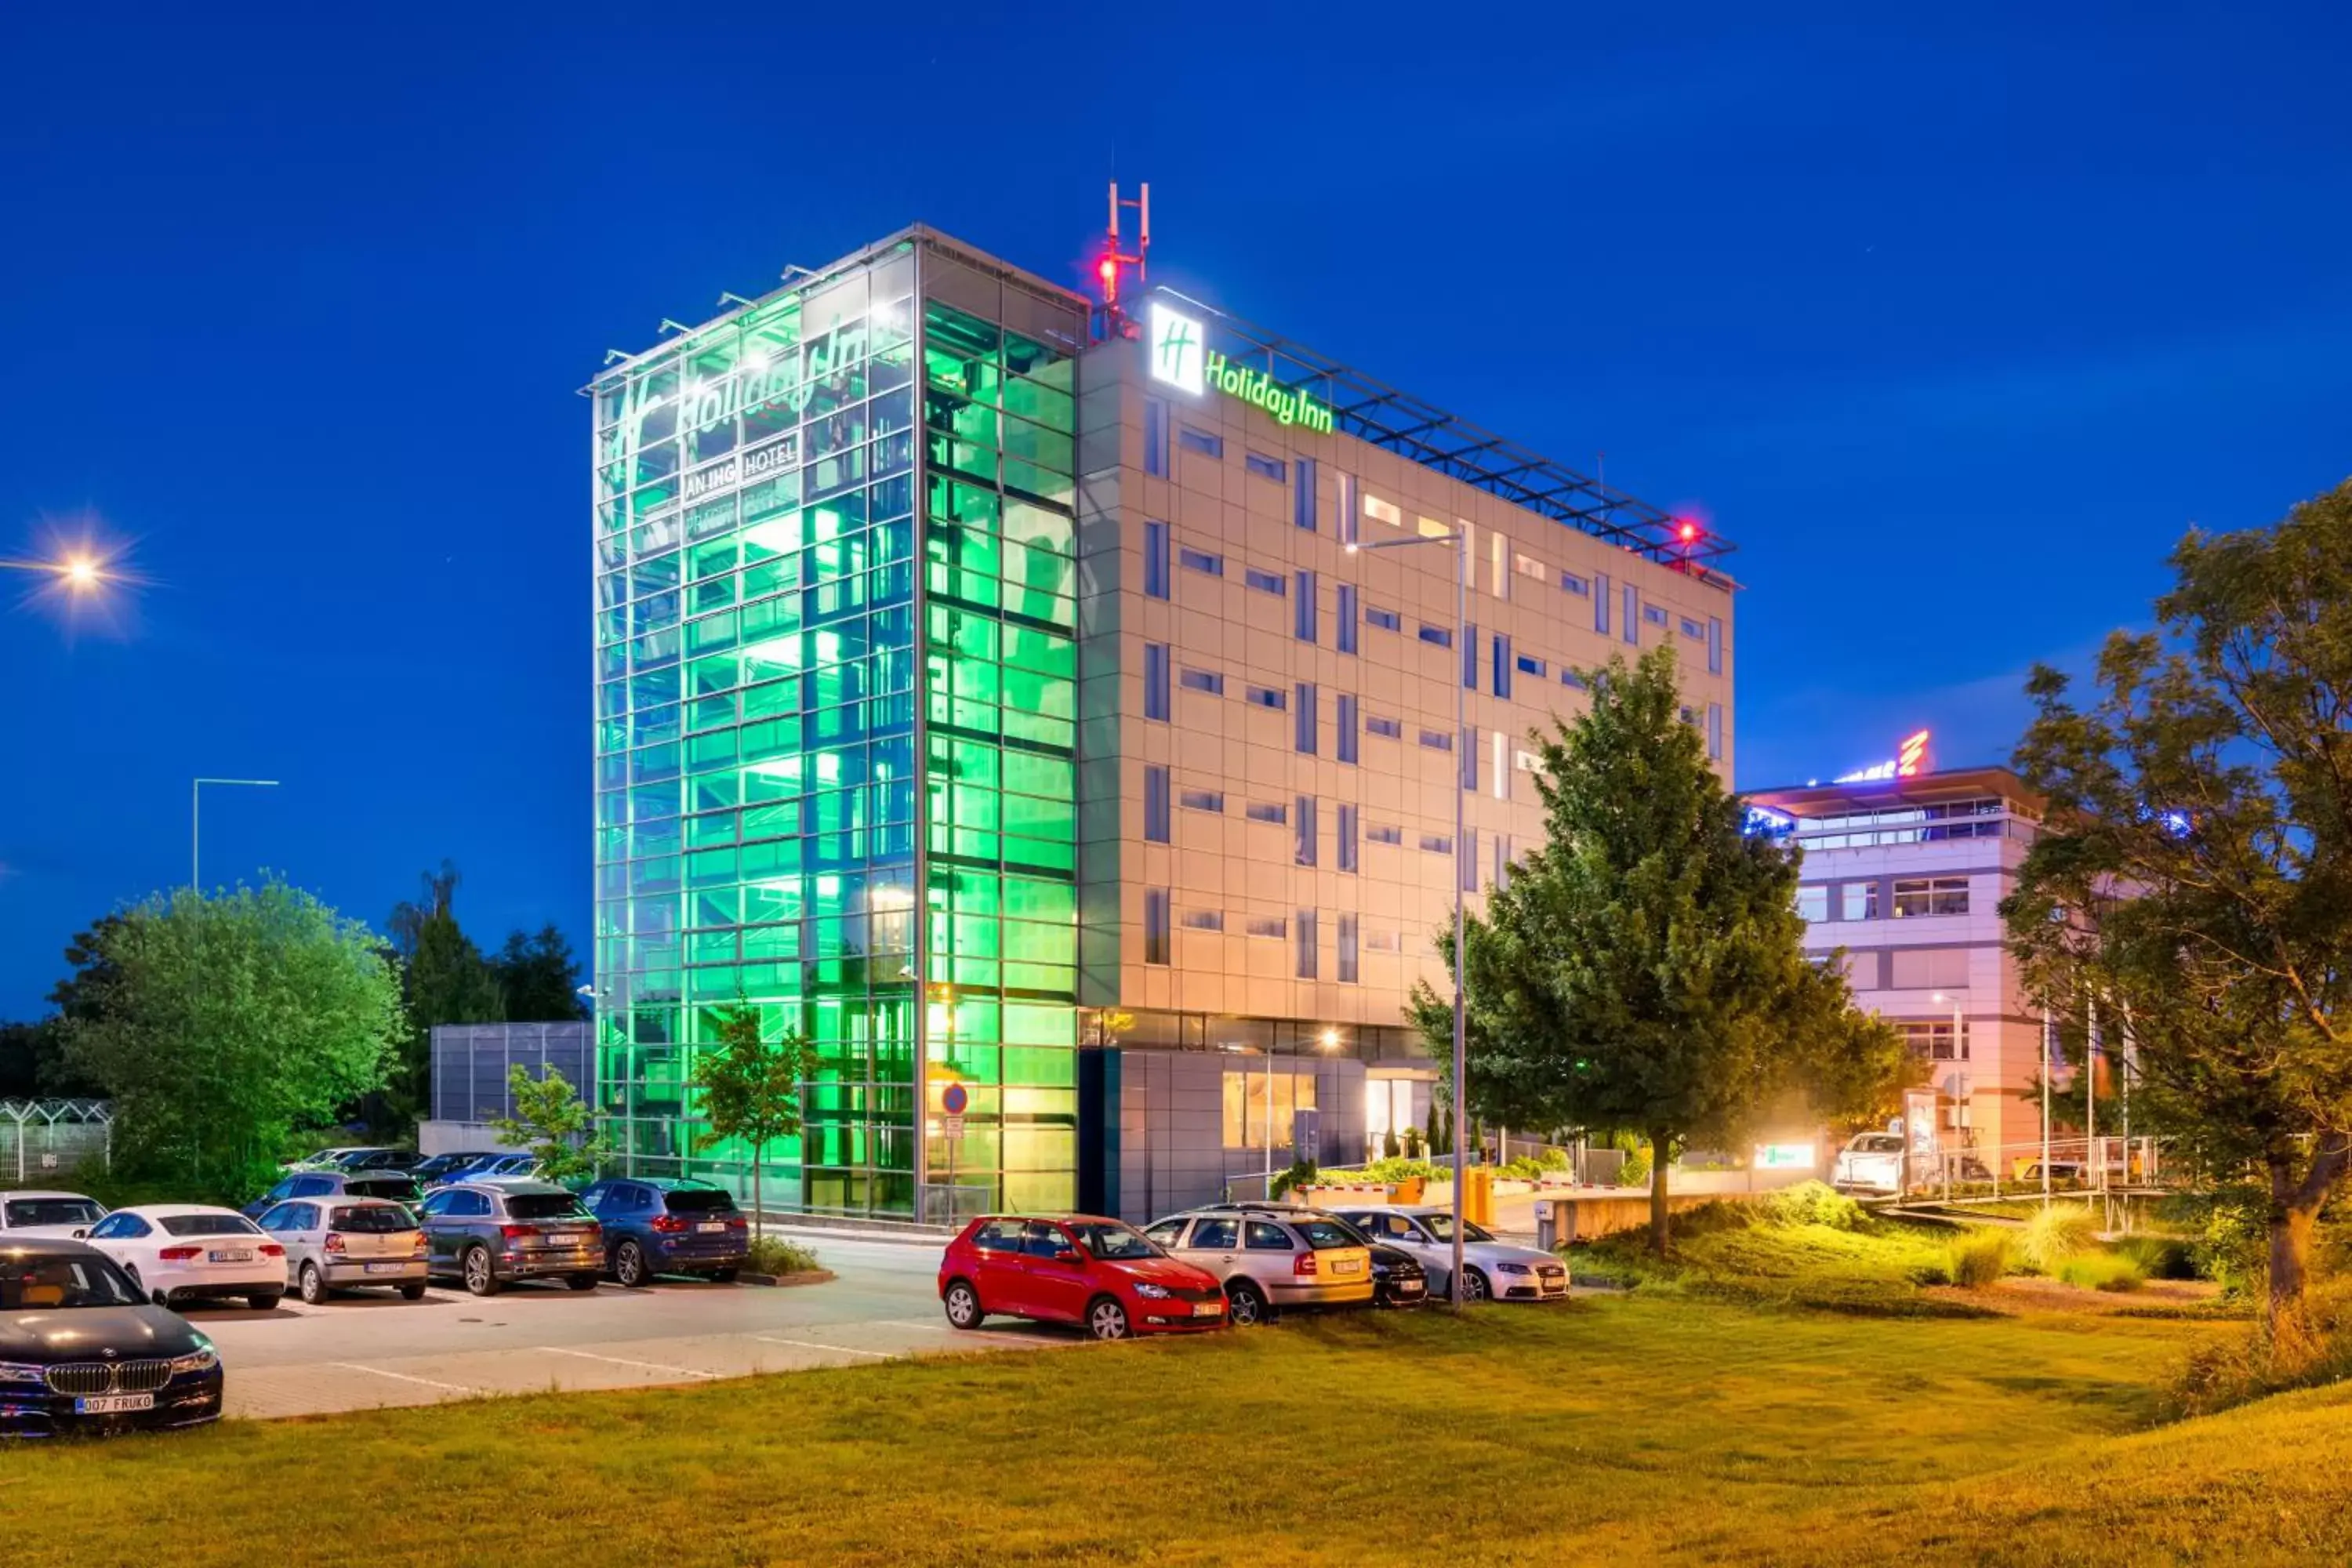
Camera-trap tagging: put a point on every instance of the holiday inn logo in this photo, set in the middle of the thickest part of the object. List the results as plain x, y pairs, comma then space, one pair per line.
1180, 355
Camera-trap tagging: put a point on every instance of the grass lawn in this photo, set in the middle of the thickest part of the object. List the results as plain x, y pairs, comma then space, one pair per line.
1642, 1429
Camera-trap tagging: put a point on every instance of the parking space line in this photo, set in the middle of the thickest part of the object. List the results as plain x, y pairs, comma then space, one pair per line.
976, 1336
624, 1361
812, 1345
404, 1377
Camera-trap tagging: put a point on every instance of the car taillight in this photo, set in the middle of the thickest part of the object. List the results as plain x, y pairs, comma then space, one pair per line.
669, 1222
517, 1232
334, 1242
1303, 1264
178, 1254
420, 1248
271, 1249
736, 1222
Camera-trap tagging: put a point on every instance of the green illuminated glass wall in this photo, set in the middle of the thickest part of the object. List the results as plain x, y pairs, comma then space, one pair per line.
834, 532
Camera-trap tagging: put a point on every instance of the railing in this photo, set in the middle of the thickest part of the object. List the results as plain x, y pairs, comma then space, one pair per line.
2075, 1165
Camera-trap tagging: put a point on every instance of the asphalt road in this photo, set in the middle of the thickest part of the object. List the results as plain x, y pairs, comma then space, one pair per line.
371, 1349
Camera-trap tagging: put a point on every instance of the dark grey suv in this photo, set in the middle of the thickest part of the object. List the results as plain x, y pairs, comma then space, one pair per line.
488, 1233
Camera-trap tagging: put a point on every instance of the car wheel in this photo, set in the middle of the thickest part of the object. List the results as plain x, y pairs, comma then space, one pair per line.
412, 1292
962, 1303
1474, 1287
1245, 1304
629, 1266
264, 1302
581, 1281
1107, 1319
480, 1278
311, 1285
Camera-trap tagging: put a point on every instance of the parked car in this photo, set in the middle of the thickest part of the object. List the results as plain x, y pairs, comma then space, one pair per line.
336, 1244
1870, 1163
1271, 1256
657, 1225
488, 1232
1398, 1277
357, 1159
1492, 1269
393, 1186
444, 1167
1099, 1273
191, 1252
342, 1158
65, 1216
81, 1350
486, 1167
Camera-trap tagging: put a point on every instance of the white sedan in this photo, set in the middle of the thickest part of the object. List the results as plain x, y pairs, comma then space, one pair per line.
188, 1252
1492, 1269
52, 1215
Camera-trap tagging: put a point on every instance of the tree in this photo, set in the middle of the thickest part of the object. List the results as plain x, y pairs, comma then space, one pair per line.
551, 1122
538, 978
33, 1064
444, 980
750, 1088
2193, 879
1645, 968
218, 1023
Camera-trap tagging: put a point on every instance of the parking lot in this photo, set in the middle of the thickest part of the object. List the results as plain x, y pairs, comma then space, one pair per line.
371, 1349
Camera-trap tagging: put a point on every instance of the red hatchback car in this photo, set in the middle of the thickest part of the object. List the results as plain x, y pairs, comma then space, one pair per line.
1095, 1272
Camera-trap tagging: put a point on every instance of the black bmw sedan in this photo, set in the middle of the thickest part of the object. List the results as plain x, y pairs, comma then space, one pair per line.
81, 1350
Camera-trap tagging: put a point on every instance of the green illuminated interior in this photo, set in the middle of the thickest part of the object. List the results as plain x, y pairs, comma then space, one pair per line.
761, 703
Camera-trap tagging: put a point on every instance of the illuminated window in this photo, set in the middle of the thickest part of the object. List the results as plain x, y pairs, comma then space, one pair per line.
1380, 510
1930, 896
1858, 901
1812, 903
1257, 1099
1529, 566
1933, 1038
1431, 528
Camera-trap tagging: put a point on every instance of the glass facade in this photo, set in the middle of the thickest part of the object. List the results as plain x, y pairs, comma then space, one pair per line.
834, 534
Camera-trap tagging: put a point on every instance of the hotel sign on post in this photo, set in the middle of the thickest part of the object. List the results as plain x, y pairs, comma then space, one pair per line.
1180, 355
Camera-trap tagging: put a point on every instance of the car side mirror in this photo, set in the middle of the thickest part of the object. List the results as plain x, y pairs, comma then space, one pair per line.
81, 1236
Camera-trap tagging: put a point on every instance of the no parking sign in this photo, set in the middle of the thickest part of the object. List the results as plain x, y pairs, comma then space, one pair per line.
952, 1100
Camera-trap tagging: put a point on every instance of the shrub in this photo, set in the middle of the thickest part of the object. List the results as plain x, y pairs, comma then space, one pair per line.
2161, 1256
775, 1255
2056, 1234
2102, 1271
2298, 1352
1979, 1257
1812, 1203
1634, 1172
1298, 1173
1391, 1147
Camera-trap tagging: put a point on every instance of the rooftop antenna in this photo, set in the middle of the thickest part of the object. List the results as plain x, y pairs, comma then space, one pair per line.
1106, 269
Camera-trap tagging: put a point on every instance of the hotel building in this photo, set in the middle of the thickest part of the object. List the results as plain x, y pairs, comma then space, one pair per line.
987, 690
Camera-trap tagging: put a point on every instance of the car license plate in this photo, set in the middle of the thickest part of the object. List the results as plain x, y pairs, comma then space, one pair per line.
712, 1226
1207, 1309
242, 1255
568, 1238
113, 1404
386, 1268
1410, 1288
1346, 1266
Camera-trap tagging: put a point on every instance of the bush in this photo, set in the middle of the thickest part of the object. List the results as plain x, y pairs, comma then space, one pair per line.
1979, 1257
1533, 1167
1390, 1147
2161, 1256
773, 1255
1812, 1203
1298, 1173
2299, 1352
2108, 1271
1634, 1172
2056, 1234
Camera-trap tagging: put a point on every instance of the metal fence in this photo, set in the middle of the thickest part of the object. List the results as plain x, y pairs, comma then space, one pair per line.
47, 1139
471, 1063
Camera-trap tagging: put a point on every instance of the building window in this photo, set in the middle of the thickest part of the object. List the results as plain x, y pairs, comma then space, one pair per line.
1524, 762
1203, 800
1155, 438
1503, 666
1629, 622
1933, 1039
1384, 833
1504, 854
1302, 501
1529, 566
1155, 559
1302, 625
1468, 863
1265, 697
1380, 510
1714, 731
1812, 903
1930, 896
1601, 603
1264, 581
1155, 803
1529, 664
1380, 939
1571, 679
1652, 613
1265, 467
1470, 758
1307, 944
1570, 583
1200, 441
1344, 620
1692, 630
1270, 811
1155, 680
1155, 925
1430, 527
1201, 561
1346, 832
1201, 920
1393, 728
1715, 645
1470, 657
1437, 843
1387, 620
1274, 926
1437, 740
1257, 1099
1305, 725
1858, 901
1345, 727
1303, 851
1348, 966
1927, 968
1207, 680
1437, 637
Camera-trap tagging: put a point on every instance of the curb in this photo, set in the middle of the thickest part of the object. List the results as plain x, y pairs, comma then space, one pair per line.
806, 1277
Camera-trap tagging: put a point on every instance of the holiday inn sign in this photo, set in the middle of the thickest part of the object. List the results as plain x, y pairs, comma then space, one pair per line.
1180, 356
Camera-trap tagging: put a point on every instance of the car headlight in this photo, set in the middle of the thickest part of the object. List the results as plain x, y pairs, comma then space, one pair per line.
1151, 1292
1513, 1268
19, 1372
204, 1358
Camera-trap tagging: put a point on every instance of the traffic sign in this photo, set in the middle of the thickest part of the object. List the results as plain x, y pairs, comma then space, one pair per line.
954, 1100
952, 1127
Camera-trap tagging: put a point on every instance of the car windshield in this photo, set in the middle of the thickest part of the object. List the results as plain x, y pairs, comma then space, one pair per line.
1884, 1144
371, 1219
545, 1205
53, 1211
36, 1284
1441, 1225
1113, 1242
1322, 1235
208, 1224
698, 1200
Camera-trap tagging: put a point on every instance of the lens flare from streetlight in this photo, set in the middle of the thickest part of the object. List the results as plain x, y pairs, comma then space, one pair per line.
74, 576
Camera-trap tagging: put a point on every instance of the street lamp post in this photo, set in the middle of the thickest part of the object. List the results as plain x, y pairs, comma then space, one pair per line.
1456, 538
195, 819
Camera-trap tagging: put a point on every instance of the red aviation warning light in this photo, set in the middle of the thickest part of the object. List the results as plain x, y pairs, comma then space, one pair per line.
1687, 531
1911, 755
1106, 269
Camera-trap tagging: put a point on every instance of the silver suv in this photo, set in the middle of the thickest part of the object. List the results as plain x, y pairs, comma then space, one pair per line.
1271, 1256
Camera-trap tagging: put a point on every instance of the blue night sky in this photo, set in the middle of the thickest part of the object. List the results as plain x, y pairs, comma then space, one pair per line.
1953, 324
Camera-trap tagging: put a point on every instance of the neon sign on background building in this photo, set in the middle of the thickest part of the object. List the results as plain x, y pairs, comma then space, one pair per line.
1910, 760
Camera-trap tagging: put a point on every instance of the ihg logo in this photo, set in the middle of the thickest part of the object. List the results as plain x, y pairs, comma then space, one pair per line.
1178, 344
